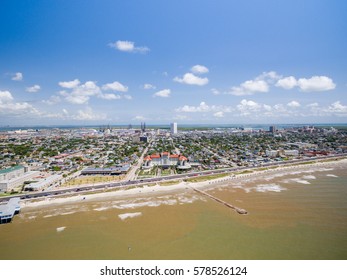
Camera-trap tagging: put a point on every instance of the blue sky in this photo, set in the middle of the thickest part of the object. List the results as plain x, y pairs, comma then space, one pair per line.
223, 61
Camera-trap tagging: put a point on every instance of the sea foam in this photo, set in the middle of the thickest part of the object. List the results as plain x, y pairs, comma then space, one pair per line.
269, 188
129, 215
60, 229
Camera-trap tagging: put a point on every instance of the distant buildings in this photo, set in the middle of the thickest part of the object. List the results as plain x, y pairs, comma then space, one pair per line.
173, 128
272, 129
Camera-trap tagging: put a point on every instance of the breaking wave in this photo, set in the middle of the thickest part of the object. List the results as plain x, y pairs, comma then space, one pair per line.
129, 215
269, 188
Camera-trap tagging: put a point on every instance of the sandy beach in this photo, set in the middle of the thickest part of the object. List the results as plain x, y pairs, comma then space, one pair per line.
183, 187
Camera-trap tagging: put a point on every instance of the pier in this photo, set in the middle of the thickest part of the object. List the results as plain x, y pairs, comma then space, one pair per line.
8, 210
237, 209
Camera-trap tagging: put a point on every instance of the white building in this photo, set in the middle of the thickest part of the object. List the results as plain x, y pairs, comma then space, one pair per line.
173, 128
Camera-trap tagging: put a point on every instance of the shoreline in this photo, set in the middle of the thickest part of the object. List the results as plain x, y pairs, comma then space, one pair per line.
145, 190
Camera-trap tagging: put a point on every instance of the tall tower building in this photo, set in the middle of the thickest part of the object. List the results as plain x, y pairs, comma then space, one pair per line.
272, 129
173, 128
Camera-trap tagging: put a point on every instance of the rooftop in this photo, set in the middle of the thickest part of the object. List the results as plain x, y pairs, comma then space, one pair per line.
10, 169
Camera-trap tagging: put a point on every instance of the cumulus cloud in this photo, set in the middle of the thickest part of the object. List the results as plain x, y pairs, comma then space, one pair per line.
10, 108
17, 77
199, 69
294, 104
81, 93
54, 99
5, 96
163, 93
215, 91
263, 82
128, 46
316, 83
337, 108
116, 86
127, 96
139, 118
110, 96
246, 107
203, 107
219, 114
250, 87
149, 86
259, 84
69, 84
287, 82
34, 88
88, 115
191, 79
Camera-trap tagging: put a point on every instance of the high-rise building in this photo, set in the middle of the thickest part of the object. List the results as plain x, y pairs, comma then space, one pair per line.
173, 128
272, 129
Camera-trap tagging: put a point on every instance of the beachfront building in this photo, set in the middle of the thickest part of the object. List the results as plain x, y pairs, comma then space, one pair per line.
8, 210
165, 160
14, 177
114, 170
12, 172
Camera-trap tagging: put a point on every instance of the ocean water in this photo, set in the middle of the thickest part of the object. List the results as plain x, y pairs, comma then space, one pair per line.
299, 215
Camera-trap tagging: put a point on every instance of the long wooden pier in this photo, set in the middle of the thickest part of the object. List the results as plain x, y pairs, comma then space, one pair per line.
237, 209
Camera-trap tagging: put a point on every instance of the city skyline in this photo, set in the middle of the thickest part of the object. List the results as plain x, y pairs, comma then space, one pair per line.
192, 63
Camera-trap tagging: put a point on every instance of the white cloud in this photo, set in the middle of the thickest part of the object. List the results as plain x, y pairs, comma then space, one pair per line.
149, 86
128, 46
312, 105
34, 88
110, 96
215, 91
191, 79
219, 114
116, 86
287, 82
69, 84
199, 69
8, 107
269, 77
263, 82
180, 117
337, 108
54, 99
250, 87
202, 108
88, 115
139, 118
5, 96
248, 106
80, 93
316, 83
77, 99
17, 77
127, 96
163, 93
294, 104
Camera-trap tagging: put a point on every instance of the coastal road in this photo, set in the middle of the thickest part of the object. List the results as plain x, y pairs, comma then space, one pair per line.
125, 184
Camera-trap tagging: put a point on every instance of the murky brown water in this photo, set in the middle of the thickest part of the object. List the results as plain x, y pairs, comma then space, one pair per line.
297, 216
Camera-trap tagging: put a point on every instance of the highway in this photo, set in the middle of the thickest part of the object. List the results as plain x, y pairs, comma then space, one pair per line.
124, 184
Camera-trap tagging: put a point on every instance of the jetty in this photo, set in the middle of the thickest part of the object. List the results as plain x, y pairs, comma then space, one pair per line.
9, 209
237, 209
